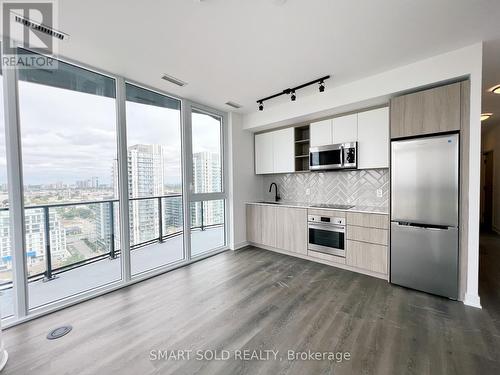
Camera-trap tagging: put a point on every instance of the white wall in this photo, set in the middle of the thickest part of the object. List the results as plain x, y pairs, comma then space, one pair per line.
244, 185
377, 89
373, 90
491, 142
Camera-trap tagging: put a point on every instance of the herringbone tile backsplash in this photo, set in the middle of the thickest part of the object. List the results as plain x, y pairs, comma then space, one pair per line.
337, 187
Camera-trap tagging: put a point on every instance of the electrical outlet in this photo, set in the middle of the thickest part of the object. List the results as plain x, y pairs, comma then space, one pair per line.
379, 193
308, 191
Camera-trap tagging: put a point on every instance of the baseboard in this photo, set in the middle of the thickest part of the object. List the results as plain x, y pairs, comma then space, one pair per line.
240, 245
322, 261
472, 300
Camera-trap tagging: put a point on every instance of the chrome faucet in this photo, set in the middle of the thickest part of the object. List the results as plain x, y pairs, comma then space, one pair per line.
276, 195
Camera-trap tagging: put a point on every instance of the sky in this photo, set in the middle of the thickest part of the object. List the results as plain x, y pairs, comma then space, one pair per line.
69, 136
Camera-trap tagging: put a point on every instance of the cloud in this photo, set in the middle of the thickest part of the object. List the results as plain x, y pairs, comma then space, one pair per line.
68, 135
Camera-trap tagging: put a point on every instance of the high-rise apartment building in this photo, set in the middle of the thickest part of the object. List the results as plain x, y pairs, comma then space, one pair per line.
102, 214
35, 237
146, 178
172, 215
207, 178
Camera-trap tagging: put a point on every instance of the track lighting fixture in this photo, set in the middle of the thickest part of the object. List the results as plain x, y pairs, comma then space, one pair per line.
291, 91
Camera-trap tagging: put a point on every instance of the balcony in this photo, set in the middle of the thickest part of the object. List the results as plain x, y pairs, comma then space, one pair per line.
78, 258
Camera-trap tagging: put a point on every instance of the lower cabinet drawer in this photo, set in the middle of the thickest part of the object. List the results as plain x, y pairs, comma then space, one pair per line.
367, 256
372, 235
368, 220
328, 257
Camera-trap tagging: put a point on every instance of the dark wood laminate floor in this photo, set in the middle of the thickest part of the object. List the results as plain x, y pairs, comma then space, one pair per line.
258, 300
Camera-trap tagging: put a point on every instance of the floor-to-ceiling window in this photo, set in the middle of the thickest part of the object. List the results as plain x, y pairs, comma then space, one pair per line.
6, 300
77, 136
154, 156
69, 149
207, 209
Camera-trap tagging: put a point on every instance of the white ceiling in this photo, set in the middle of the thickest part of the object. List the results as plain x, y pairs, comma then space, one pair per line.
241, 50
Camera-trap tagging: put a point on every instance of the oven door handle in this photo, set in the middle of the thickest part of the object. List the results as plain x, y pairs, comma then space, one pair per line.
328, 227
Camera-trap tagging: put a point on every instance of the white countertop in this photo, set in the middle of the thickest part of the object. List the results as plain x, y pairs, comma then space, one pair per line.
361, 209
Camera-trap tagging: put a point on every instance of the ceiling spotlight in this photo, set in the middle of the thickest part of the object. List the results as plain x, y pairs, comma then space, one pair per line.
291, 91
486, 116
496, 89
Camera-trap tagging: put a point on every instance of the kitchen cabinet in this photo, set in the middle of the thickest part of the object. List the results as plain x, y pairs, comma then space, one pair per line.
431, 111
367, 241
264, 158
275, 152
320, 133
370, 129
253, 215
285, 228
371, 235
373, 139
345, 129
368, 220
337, 130
291, 229
268, 225
367, 256
284, 150
279, 227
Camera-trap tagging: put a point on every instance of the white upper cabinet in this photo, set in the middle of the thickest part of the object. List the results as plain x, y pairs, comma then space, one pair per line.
283, 150
264, 158
320, 133
373, 139
338, 130
345, 129
274, 152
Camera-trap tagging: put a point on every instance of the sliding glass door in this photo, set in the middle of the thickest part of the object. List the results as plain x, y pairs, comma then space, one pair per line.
207, 203
154, 159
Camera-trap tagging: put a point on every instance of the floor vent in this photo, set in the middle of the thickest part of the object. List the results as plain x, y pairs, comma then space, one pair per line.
59, 332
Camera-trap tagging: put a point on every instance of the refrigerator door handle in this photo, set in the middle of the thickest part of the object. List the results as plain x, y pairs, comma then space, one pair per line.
436, 229
421, 226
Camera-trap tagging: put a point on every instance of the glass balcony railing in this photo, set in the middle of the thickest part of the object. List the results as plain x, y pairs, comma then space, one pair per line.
84, 237
61, 237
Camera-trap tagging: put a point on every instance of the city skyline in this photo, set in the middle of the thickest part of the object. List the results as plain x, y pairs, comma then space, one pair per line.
54, 152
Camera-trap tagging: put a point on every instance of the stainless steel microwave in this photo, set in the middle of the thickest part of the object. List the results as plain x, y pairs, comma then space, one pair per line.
339, 156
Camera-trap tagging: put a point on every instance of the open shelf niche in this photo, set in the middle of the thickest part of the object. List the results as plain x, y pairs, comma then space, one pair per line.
302, 148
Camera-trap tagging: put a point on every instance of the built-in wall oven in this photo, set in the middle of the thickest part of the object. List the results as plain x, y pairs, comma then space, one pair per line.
327, 234
339, 156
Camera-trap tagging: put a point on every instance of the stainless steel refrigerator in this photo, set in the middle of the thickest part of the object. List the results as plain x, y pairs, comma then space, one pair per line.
424, 214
